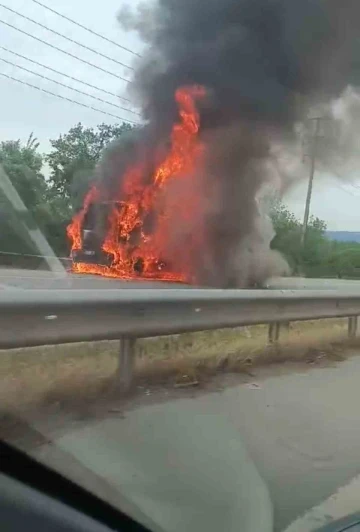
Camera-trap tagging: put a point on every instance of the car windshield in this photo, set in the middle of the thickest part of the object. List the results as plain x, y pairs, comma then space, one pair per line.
180, 255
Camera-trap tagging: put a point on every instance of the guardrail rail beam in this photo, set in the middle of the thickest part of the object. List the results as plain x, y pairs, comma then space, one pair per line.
57, 316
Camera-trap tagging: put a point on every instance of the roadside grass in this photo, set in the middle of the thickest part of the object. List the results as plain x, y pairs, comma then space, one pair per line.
79, 374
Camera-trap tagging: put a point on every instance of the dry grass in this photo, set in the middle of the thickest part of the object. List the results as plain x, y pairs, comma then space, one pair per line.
81, 373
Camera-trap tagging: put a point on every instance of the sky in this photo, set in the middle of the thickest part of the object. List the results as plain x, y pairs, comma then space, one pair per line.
25, 110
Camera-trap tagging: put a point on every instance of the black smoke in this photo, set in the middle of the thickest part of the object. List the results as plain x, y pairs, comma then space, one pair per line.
263, 63
254, 55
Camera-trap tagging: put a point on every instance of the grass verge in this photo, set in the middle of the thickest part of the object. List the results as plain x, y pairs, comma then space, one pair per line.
78, 374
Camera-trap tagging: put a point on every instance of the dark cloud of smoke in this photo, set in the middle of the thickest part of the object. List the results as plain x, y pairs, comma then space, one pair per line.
263, 62
253, 54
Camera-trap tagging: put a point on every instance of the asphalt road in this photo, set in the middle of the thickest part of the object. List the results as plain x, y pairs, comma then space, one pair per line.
40, 279
301, 428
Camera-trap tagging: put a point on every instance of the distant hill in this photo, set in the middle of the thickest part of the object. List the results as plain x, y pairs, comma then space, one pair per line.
344, 236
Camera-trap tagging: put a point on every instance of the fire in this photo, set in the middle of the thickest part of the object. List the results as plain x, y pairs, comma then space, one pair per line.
74, 229
134, 249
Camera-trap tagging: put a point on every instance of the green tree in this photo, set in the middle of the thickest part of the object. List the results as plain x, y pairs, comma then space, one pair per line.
287, 235
344, 260
316, 250
74, 157
23, 165
308, 259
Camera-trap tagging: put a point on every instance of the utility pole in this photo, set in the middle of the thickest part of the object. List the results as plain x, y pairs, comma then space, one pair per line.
318, 138
313, 151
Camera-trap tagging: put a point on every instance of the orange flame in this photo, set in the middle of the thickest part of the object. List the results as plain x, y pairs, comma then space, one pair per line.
74, 230
135, 253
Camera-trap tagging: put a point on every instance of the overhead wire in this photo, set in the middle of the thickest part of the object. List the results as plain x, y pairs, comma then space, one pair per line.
343, 188
347, 191
66, 75
86, 28
43, 26
355, 186
67, 99
66, 86
64, 51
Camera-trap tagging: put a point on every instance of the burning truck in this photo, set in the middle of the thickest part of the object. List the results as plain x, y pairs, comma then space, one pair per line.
131, 234
93, 258
153, 212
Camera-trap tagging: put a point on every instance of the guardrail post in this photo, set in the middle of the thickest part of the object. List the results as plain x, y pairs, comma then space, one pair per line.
274, 332
352, 326
126, 363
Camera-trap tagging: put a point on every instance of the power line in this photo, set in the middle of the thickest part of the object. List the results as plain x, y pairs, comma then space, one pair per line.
87, 29
347, 191
351, 193
357, 187
65, 37
65, 52
67, 99
67, 75
66, 86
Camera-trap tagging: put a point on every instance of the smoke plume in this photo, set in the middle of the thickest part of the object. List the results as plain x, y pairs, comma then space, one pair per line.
263, 63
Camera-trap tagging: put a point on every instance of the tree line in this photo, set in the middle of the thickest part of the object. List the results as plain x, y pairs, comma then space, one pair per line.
53, 185
318, 256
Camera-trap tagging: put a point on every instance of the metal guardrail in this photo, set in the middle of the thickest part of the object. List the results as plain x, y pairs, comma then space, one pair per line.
41, 317
303, 283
